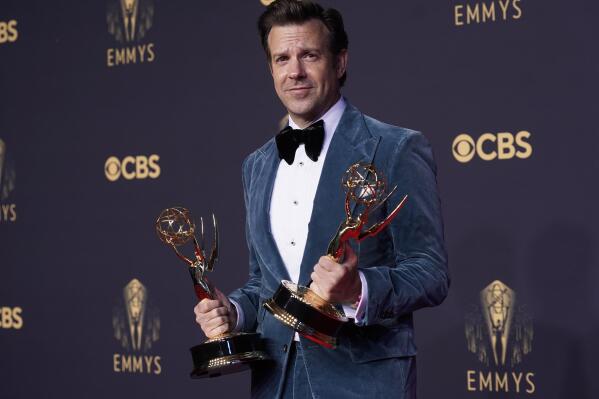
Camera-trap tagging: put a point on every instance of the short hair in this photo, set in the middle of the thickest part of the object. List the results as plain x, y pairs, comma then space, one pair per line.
286, 12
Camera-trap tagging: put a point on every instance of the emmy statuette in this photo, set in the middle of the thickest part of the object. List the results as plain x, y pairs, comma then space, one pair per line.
300, 307
225, 353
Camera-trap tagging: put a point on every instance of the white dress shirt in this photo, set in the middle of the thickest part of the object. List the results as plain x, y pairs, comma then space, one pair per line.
291, 207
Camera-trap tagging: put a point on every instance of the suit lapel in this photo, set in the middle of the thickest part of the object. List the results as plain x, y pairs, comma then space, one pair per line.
266, 246
351, 143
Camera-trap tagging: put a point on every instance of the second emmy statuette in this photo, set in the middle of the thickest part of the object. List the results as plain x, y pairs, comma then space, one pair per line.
226, 353
301, 308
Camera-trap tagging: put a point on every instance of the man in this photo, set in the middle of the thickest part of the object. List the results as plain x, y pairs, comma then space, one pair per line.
294, 205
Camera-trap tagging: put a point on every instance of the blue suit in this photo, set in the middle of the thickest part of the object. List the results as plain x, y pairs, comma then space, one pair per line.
405, 266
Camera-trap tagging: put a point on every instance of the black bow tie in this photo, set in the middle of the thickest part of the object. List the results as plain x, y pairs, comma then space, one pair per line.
289, 139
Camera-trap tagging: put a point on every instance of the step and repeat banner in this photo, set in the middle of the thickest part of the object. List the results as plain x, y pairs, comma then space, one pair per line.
113, 110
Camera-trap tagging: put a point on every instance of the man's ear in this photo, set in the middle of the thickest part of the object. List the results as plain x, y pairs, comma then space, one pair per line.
341, 64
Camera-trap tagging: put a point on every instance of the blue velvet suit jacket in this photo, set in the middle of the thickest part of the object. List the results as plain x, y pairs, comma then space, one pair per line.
405, 266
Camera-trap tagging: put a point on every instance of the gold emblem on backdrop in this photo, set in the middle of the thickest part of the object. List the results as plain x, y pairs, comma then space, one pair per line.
7, 173
128, 22
2, 159
8, 31
499, 332
8, 209
11, 318
137, 167
490, 146
137, 328
490, 327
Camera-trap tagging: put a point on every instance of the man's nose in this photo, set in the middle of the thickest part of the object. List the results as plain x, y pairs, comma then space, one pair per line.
296, 69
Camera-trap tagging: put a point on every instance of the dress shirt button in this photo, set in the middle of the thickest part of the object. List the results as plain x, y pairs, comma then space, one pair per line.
301, 163
293, 243
295, 202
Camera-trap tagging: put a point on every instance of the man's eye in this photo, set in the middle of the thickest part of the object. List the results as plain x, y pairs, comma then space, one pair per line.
280, 59
310, 56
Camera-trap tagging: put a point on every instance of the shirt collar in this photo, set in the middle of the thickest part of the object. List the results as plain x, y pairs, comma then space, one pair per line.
331, 120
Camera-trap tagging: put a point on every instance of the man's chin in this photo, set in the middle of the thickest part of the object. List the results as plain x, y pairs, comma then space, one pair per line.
305, 111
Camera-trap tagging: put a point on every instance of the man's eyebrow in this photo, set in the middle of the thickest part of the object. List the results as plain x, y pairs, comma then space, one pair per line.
312, 49
302, 50
280, 52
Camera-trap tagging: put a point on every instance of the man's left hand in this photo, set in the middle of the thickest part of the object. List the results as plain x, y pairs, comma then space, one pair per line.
337, 282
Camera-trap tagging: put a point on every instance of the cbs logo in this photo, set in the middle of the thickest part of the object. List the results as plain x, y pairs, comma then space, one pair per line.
491, 146
11, 318
8, 31
132, 167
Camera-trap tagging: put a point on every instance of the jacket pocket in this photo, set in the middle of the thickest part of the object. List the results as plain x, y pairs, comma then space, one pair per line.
372, 343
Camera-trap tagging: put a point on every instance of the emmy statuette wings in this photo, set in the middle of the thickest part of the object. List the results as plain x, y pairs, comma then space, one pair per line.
301, 308
226, 353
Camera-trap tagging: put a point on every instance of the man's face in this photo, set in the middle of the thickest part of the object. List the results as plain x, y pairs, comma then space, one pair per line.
305, 73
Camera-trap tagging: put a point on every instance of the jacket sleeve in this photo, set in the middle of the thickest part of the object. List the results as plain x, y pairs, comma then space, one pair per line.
248, 296
419, 276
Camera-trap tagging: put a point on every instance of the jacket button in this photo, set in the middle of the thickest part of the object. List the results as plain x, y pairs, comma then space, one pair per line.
285, 348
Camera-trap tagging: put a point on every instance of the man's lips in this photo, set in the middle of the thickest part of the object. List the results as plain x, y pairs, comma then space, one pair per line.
299, 91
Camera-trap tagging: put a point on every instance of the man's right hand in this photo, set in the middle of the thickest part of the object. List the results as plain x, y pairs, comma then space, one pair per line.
216, 316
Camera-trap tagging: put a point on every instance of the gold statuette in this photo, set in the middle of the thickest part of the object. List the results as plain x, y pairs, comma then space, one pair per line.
301, 308
226, 353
